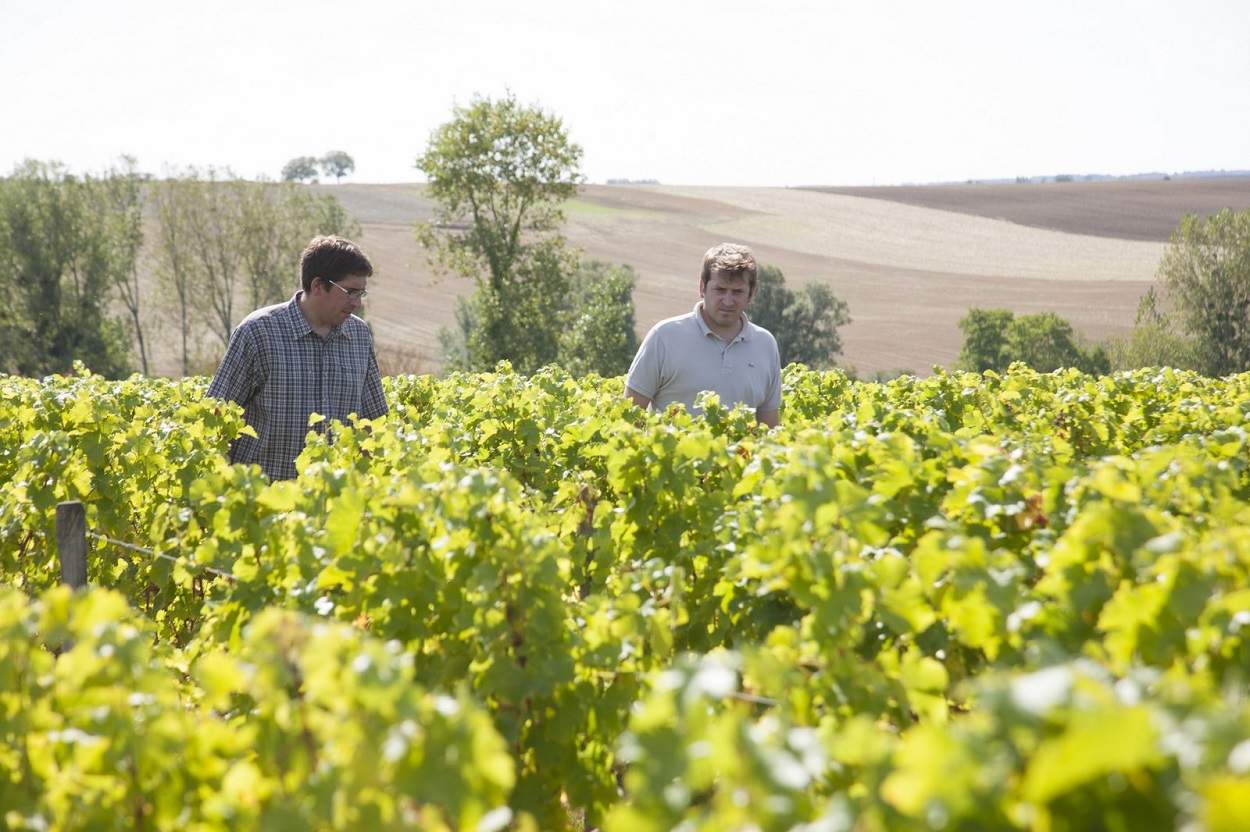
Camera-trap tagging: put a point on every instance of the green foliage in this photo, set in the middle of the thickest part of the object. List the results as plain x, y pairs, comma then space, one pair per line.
226, 246
600, 337
336, 163
969, 601
520, 320
118, 201
805, 323
1154, 341
275, 223
109, 732
1205, 281
64, 241
300, 169
1045, 342
985, 340
589, 324
499, 173
995, 338
453, 344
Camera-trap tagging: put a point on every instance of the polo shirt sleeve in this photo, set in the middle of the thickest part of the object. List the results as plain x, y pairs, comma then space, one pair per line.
644, 372
772, 393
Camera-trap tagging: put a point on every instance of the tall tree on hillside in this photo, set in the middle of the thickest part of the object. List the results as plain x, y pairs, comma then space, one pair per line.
56, 266
216, 211
1204, 282
221, 240
276, 221
177, 277
805, 323
118, 202
336, 163
498, 173
300, 169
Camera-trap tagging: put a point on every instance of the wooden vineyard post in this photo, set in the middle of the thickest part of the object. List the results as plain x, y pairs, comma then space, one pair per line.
71, 543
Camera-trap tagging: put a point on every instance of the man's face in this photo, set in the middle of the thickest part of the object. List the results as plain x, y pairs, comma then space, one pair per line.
340, 298
725, 297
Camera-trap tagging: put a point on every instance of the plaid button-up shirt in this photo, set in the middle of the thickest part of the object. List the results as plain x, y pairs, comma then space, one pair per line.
281, 372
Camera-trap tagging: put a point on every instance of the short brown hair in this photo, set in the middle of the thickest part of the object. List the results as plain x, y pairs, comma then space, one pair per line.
332, 258
732, 260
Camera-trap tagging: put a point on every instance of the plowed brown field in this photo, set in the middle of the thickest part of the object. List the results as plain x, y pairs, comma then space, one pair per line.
909, 261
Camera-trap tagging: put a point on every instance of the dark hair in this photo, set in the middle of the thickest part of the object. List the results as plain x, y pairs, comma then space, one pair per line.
332, 258
732, 260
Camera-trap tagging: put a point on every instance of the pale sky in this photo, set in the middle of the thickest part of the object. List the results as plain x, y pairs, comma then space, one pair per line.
686, 92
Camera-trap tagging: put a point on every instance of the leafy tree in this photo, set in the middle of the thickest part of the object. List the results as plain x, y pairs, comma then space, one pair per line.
276, 222
336, 163
213, 211
1155, 340
300, 169
454, 343
995, 338
57, 262
600, 337
176, 273
985, 340
499, 173
1046, 342
1204, 277
593, 326
220, 237
118, 203
805, 323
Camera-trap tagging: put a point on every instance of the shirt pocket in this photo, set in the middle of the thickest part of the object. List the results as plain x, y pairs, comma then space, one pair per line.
347, 381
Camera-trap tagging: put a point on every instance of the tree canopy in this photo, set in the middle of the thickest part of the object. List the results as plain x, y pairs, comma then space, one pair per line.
1204, 282
600, 336
805, 323
994, 339
336, 163
224, 243
300, 169
63, 241
499, 173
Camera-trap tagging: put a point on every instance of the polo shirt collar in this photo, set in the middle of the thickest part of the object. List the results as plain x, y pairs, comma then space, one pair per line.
743, 335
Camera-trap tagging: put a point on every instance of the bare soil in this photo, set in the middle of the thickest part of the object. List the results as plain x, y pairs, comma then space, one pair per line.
1128, 210
909, 261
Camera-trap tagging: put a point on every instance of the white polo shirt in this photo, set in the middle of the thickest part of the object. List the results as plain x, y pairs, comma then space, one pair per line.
681, 357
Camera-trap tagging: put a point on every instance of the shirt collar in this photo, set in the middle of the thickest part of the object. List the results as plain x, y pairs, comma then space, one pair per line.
299, 324
744, 334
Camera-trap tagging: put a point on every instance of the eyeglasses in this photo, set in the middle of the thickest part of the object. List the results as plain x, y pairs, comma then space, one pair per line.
354, 294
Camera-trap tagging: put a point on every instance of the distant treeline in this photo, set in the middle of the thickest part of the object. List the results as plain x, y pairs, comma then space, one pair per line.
1102, 177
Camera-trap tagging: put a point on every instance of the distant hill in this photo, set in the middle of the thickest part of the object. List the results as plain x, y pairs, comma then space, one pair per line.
909, 260
1127, 208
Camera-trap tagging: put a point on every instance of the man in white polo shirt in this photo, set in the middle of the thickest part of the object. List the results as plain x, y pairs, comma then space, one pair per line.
713, 347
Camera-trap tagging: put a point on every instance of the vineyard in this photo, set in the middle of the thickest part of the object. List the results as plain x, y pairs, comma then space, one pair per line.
963, 602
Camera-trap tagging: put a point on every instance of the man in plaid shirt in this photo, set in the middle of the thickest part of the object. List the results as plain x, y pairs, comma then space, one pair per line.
307, 355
